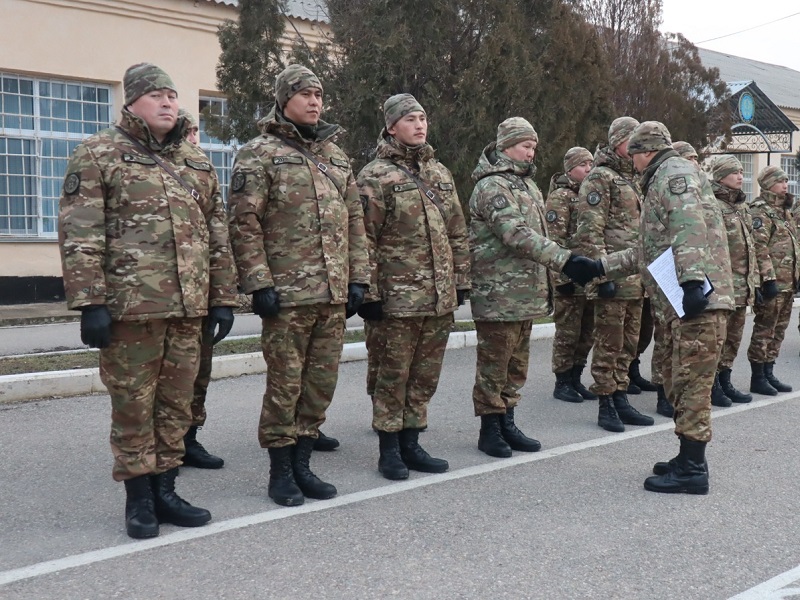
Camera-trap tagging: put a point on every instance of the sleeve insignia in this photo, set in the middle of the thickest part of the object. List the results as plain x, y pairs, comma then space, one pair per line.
364, 202
447, 187
499, 201
340, 163
551, 216
678, 185
237, 181
199, 166
72, 183
757, 223
594, 198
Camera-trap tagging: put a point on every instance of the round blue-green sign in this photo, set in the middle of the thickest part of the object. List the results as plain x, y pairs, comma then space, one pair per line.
747, 107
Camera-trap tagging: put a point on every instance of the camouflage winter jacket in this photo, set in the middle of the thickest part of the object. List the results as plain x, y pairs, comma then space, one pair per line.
609, 209
510, 253
775, 229
133, 238
419, 253
679, 211
292, 227
562, 219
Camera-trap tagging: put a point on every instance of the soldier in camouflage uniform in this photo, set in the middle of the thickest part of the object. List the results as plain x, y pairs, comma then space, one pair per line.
297, 233
510, 259
144, 260
573, 312
775, 229
609, 210
418, 246
679, 213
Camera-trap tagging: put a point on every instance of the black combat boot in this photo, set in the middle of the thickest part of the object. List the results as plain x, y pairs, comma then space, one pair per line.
140, 511
663, 407
607, 416
628, 414
730, 391
774, 381
636, 378
325, 443
662, 468
311, 485
514, 437
633, 388
577, 371
390, 464
415, 457
718, 397
758, 382
490, 439
196, 455
689, 474
282, 486
171, 508
564, 389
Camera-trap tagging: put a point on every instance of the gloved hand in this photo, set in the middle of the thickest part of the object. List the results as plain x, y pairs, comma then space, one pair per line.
769, 289
222, 317
461, 295
266, 302
694, 302
607, 289
566, 289
759, 297
355, 297
96, 326
582, 270
371, 311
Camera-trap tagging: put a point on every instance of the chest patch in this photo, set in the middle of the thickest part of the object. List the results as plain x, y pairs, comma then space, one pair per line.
72, 183
340, 163
138, 159
287, 160
594, 198
447, 187
199, 166
499, 201
757, 223
678, 185
237, 181
551, 216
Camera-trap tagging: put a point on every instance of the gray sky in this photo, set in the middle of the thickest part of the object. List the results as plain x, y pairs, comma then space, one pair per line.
777, 43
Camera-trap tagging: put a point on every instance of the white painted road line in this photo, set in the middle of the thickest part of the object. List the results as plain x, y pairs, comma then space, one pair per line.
774, 589
95, 556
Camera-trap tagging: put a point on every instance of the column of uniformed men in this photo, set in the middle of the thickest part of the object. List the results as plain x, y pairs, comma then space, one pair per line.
150, 259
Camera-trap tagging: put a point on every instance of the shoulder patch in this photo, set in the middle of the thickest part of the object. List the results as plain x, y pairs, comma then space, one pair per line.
499, 201
237, 181
283, 160
621, 181
72, 183
594, 198
340, 163
678, 185
551, 216
447, 187
200, 166
138, 159
757, 223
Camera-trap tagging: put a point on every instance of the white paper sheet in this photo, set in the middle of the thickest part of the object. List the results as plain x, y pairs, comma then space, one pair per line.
663, 271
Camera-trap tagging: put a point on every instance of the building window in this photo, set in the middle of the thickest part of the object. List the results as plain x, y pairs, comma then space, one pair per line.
219, 153
747, 167
41, 123
789, 166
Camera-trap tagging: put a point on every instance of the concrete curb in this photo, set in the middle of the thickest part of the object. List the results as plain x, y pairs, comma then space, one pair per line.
80, 382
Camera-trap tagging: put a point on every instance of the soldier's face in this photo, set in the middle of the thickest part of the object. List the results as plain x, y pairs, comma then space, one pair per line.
305, 107
411, 129
733, 180
641, 159
159, 109
622, 149
522, 152
193, 136
579, 173
780, 188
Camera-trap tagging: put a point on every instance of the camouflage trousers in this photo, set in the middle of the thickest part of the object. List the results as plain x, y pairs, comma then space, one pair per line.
406, 367
504, 349
733, 337
694, 347
302, 346
769, 327
148, 370
375, 343
574, 320
646, 329
203, 378
616, 335
660, 350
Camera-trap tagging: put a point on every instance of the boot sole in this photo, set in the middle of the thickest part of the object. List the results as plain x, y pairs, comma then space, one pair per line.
612, 428
142, 534
698, 491
393, 476
748, 401
497, 453
314, 496
571, 400
198, 465
639, 424
287, 501
427, 469
196, 522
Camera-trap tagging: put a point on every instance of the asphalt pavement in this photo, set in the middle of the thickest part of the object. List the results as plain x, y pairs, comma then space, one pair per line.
571, 521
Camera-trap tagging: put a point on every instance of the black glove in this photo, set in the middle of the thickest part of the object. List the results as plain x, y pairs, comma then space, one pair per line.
266, 303
607, 289
582, 270
566, 289
694, 302
96, 326
355, 297
769, 289
759, 297
371, 311
461, 295
222, 317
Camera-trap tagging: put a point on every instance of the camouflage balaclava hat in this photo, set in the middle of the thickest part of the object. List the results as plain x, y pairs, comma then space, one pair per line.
576, 156
620, 131
144, 78
513, 131
723, 165
650, 136
685, 149
291, 80
398, 106
190, 120
771, 175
